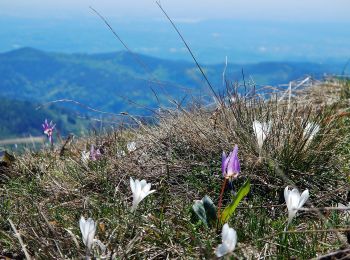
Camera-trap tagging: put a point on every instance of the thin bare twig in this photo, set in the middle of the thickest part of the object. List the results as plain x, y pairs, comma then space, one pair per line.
325, 209
20, 240
79, 104
330, 255
332, 230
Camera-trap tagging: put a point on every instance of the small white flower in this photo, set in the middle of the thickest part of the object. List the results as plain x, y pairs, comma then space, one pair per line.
229, 241
131, 146
261, 130
88, 229
294, 201
85, 156
140, 189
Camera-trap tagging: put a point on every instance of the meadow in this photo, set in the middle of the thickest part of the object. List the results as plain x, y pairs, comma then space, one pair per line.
47, 196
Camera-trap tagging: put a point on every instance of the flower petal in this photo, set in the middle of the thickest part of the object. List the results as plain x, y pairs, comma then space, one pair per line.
223, 163
132, 185
303, 198
235, 159
146, 188
91, 232
150, 192
143, 184
82, 224
225, 232
229, 240
259, 133
221, 250
286, 193
232, 239
294, 198
138, 187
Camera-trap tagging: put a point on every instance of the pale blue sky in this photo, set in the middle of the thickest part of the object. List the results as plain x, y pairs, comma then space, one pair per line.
243, 30
188, 10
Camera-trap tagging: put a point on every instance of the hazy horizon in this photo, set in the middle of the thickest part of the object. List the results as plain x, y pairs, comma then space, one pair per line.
244, 31
272, 10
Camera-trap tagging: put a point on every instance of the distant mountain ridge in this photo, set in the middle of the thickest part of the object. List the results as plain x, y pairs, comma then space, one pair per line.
100, 80
115, 82
96, 80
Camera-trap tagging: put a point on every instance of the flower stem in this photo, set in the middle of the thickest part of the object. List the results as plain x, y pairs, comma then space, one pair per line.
221, 195
87, 253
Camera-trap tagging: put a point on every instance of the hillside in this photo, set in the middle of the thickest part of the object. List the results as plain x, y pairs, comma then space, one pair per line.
23, 118
101, 81
116, 82
58, 203
108, 81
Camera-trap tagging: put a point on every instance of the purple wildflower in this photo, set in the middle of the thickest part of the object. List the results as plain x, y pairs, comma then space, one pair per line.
94, 154
231, 166
48, 130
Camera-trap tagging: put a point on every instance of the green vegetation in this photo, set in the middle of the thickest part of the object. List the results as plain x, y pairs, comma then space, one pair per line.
109, 81
113, 82
45, 193
23, 118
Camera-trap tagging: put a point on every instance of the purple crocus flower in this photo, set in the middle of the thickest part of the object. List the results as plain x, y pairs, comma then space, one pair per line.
48, 130
94, 154
230, 165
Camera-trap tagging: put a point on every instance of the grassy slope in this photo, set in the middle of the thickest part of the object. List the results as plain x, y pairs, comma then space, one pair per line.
45, 193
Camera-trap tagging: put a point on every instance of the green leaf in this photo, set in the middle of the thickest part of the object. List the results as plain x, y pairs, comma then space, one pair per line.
230, 209
210, 210
198, 208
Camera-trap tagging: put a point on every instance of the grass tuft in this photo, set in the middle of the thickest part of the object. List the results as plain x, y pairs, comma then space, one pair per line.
46, 192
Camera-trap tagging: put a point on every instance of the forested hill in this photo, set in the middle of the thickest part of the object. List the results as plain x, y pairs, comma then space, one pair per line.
23, 118
108, 81
115, 82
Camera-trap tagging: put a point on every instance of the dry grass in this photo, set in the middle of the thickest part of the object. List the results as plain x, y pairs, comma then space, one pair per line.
180, 154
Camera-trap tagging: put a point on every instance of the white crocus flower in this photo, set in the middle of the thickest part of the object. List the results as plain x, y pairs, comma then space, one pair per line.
140, 189
261, 130
88, 229
294, 201
85, 156
131, 146
229, 241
